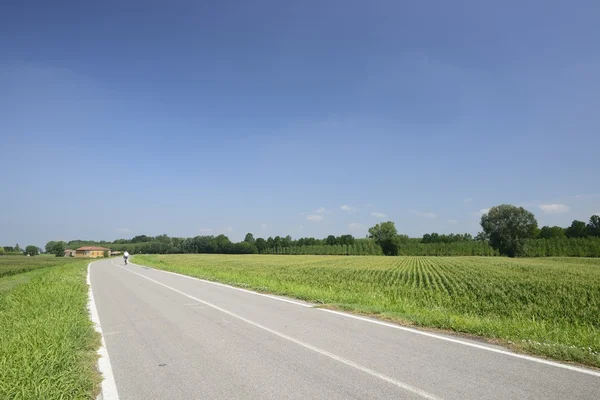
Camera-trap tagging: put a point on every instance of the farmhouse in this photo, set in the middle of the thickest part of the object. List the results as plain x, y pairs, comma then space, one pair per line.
91, 251
69, 253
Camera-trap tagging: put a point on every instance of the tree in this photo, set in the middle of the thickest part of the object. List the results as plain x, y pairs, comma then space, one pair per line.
164, 238
551, 232
56, 248
50, 247
578, 229
593, 228
386, 236
249, 238
508, 227
346, 239
286, 241
141, 239
1, 251
331, 240
32, 250
481, 237
244, 248
17, 248
59, 249
403, 238
223, 243
261, 245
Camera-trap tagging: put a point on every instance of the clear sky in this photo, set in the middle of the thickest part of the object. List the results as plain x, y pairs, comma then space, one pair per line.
120, 118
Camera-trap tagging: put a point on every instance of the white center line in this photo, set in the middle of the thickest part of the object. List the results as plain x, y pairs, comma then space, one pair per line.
342, 360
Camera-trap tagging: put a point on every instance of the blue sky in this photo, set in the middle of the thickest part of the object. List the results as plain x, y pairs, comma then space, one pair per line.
197, 117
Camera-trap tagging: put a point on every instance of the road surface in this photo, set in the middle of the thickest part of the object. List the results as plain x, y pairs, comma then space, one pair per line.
174, 337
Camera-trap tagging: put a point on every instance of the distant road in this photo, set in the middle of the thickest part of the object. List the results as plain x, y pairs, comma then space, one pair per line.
174, 337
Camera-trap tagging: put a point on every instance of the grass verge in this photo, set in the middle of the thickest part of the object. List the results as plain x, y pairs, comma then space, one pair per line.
47, 341
547, 307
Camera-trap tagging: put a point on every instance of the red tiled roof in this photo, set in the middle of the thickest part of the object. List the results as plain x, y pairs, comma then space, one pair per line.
92, 248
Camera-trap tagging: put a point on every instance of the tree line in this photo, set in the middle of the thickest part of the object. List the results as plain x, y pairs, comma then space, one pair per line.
513, 231
221, 244
577, 229
506, 230
16, 250
509, 229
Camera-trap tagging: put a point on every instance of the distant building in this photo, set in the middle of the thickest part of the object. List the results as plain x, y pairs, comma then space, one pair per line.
115, 253
69, 253
91, 251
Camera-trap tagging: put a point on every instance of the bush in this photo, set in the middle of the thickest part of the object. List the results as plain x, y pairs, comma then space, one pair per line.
32, 250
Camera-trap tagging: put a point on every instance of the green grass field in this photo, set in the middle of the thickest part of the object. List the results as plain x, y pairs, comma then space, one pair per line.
548, 307
14, 265
47, 342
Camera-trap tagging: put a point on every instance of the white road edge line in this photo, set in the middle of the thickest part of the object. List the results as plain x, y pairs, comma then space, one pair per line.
108, 387
475, 345
228, 286
407, 329
352, 364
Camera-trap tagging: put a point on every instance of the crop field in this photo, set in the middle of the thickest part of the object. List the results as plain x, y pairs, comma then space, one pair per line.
14, 265
47, 341
544, 306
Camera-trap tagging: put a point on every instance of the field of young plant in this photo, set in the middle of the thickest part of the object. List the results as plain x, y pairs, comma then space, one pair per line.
47, 341
548, 306
14, 265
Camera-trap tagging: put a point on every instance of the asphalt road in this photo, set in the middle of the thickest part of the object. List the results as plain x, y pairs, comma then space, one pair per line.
173, 337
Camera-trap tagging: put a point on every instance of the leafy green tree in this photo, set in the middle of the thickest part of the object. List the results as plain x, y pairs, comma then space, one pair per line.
141, 239
331, 240
552, 232
261, 245
578, 229
508, 227
481, 237
1, 251
17, 248
244, 248
177, 244
386, 236
59, 249
286, 241
163, 239
593, 228
249, 238
32, 250
346, 239
56, 247
50, 247
403, 239
223, 243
